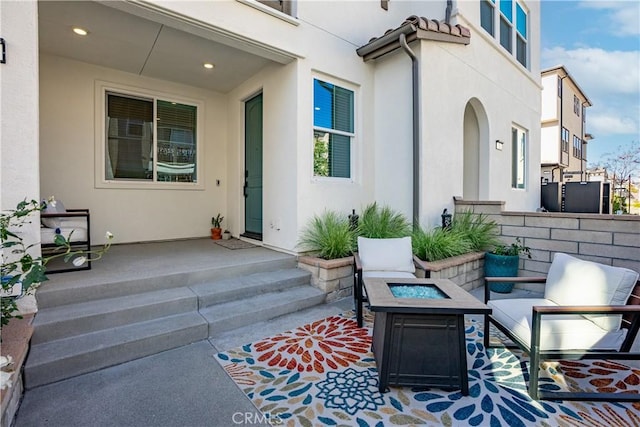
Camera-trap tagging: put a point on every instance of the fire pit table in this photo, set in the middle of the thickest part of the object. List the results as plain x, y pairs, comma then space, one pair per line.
418, 332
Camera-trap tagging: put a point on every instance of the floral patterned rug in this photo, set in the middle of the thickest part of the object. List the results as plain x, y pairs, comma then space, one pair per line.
324, 374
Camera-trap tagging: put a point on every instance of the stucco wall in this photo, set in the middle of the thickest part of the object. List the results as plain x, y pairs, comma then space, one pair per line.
68, 145
19, 153
19, 105
452, 76
550, 97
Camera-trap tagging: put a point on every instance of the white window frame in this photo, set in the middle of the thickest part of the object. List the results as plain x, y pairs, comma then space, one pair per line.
514, 147
517, 34
498, 16
354, 136
100, 91
492, 4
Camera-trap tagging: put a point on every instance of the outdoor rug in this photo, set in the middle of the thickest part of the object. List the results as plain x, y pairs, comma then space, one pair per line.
324, 374
234, 244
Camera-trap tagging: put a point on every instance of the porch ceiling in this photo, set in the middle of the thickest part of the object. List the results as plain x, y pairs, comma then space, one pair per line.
130, 43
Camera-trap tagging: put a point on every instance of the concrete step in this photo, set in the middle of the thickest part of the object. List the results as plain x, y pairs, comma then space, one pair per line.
72, 292
251, 333
259, 308
56, 360
76, 319
243, 287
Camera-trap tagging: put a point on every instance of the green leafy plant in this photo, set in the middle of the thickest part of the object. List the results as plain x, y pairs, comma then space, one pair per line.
382, 223
216, 221
515, 248
19, 266
439, 243
478, 229
329, 235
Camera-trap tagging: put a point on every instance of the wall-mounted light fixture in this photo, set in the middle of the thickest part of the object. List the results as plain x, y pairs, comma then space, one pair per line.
3, 51
499, 144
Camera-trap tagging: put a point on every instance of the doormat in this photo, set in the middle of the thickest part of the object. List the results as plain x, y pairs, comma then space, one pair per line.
234, 244
324, 374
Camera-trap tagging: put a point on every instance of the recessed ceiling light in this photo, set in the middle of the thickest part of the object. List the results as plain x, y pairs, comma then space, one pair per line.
80, 31
208, 65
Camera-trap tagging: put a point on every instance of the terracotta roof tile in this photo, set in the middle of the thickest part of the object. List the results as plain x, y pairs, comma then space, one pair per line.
415, 27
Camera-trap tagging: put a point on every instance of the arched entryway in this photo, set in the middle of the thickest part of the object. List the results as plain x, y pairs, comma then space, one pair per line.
476, 152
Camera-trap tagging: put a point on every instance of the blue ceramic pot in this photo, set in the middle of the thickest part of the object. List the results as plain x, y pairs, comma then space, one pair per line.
501, 266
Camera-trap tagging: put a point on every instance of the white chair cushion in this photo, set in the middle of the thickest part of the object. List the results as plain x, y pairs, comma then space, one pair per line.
567, 332
79, 233
53, 208
386, 254
572, 281
388, 274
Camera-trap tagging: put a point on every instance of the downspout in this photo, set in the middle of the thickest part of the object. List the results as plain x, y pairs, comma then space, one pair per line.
560, 177
582, 143
415, 68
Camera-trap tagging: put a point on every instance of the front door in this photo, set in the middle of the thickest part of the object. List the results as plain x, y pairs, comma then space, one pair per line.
253, 167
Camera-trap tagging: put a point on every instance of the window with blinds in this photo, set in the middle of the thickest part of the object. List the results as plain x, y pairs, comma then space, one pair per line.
333, 130
135, 151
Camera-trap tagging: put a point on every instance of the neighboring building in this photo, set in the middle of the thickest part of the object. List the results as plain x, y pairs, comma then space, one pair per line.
563, 137
298, 111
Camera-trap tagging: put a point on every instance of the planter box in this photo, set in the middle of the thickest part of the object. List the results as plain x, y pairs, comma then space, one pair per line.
15, 343
334, 277
467, 270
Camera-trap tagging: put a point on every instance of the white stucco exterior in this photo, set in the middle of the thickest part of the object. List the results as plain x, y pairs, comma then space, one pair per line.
19, 154
470, 96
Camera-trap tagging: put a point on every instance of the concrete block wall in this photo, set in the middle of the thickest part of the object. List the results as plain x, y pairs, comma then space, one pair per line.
467, 270
334, 277
607, 239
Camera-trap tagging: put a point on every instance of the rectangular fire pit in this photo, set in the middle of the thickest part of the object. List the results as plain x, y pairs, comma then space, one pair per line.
418, 332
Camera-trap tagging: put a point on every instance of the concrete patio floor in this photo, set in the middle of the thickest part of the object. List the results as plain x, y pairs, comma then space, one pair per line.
180, 387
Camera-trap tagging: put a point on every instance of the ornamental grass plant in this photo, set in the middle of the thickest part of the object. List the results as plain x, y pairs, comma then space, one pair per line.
439, 243
329, 235
469, 232
382, 223
481, 231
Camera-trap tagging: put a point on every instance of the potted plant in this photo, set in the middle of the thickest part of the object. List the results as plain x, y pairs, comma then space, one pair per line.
503, 261
226, 235
216, 230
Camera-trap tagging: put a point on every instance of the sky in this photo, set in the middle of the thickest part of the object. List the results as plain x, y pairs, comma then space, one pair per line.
599, 44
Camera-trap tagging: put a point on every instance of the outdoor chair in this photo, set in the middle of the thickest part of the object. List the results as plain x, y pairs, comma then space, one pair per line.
74, 225
389, 258
588, 311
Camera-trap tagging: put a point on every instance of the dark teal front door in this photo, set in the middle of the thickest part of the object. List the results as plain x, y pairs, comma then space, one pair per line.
253, 167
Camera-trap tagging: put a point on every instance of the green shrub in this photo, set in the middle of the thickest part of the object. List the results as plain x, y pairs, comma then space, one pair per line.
382, 223
439, 243
516, 248
481, 232
329, 235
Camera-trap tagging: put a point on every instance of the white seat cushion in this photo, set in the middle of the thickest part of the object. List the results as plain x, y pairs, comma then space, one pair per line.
572, 281
386, 254
567, 332
389, 274
79, 228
